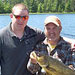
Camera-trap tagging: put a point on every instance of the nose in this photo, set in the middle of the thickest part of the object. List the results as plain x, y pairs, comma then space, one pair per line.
51, 31
21, 20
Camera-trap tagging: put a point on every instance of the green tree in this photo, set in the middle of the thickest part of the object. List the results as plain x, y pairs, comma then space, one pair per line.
46, 5
39, 8
33, 6
1, 7
40, 5
68, 6
54, 6
7, 8
73, 5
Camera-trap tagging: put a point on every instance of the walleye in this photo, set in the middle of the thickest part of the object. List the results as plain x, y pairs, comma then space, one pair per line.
51, 65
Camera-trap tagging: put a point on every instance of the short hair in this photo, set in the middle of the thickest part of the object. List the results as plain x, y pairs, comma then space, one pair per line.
22, 7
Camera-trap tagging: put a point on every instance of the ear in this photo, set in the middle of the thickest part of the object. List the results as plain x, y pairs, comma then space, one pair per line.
11, 15
28, 17
60, 28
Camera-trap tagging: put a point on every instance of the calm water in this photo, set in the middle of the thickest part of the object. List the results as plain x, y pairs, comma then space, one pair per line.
37, 21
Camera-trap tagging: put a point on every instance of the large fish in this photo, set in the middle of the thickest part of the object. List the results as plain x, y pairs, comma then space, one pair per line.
51, 65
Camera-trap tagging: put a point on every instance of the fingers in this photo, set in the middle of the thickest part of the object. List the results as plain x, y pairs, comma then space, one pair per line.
33, 57
71, 67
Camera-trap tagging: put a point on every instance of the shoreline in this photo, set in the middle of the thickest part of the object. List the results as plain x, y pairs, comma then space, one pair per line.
45, 13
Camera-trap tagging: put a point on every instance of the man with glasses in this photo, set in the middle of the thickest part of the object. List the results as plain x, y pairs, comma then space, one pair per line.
17, 41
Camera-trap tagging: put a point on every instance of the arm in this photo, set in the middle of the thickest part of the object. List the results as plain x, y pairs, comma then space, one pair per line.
69, 59
73, 56
33, 66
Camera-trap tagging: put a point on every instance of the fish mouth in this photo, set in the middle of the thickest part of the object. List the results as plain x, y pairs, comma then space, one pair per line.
41, 58
35, 54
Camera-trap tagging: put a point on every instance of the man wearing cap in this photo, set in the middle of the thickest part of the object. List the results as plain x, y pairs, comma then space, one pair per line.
57, 47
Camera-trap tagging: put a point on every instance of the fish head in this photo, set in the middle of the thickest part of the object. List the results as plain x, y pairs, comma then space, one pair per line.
41, 58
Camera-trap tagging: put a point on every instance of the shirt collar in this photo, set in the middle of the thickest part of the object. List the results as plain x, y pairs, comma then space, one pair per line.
28, 32
60, 41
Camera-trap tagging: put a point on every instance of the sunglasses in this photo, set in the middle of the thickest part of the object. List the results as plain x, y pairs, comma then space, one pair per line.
19, 17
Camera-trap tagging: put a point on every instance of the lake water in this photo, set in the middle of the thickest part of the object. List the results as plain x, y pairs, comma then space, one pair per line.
37, 21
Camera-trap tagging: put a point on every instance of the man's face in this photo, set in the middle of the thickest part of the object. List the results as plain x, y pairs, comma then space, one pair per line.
52, 31
19, 18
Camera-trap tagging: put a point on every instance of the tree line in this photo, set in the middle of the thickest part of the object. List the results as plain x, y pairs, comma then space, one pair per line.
40, 6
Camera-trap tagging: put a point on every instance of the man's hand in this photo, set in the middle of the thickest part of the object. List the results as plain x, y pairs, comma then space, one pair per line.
33, 57
71, 67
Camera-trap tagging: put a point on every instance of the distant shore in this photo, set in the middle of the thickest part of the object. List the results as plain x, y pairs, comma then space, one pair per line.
46, 13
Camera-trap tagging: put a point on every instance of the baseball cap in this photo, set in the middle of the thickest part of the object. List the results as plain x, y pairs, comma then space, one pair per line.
52, 19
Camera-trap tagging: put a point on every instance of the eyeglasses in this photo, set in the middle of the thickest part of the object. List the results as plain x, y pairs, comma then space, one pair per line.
19, 17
